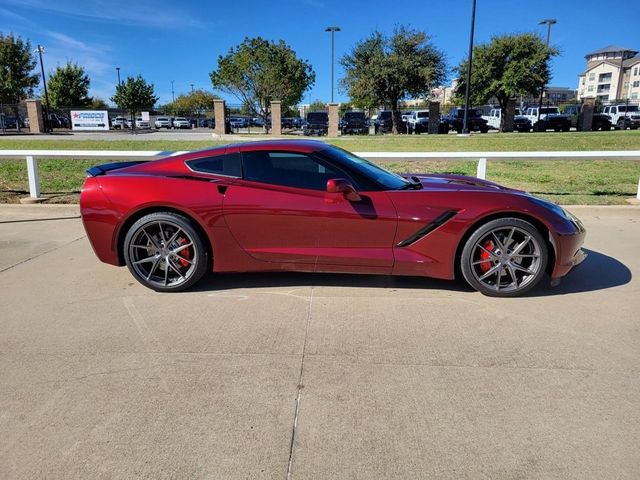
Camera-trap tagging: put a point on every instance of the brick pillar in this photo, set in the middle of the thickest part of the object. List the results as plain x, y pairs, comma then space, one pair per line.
434, 117
333, 120
585, 119
276, 117
219, 113
34, 112
509, 116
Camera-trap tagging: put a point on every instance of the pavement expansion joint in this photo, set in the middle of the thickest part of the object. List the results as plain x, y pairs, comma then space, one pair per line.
299, 388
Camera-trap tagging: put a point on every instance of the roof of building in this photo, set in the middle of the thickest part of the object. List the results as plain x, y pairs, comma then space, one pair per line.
611, 49
629, 62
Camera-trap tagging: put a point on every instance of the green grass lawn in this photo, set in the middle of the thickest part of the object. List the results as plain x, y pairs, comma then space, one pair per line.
592, 181
552, 141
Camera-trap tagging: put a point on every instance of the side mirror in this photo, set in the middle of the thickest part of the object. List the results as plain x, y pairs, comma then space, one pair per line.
343, 186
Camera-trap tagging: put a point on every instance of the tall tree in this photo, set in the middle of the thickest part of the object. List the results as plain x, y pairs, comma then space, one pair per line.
385, 70
69, 87
17, 62
507, 66
258, 71
134, 94
192, 102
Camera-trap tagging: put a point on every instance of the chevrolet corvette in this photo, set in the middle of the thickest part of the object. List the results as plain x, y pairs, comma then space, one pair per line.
307, 206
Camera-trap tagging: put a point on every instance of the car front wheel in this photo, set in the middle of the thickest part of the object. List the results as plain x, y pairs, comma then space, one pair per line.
164, 252
505, 257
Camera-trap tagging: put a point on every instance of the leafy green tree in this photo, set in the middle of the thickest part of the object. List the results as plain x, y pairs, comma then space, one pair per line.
98, 103
192, 103
507, 66
17, 62
385, 70
258, 71
317, 105
69, 87
134, 94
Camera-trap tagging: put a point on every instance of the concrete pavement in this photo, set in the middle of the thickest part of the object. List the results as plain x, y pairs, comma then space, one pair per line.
383, 377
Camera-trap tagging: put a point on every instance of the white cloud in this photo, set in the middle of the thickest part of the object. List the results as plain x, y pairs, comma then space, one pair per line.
139, 13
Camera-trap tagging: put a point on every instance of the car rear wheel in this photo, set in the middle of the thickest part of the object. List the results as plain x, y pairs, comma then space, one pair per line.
505, 257
164, 252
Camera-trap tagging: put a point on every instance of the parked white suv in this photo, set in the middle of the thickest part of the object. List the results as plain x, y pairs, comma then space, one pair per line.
623, 116
181, 122
163, 122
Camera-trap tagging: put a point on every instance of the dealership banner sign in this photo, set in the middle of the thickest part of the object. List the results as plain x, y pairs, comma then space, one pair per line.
89, 120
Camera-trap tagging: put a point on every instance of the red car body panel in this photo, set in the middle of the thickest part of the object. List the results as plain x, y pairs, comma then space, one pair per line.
255, 226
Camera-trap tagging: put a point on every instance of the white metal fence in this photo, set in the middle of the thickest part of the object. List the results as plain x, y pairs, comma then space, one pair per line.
482, 157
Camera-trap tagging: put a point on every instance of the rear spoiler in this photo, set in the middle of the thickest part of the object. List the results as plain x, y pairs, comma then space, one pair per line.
107, 167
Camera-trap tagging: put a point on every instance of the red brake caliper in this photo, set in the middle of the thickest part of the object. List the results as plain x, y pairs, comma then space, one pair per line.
484, 255
185, 253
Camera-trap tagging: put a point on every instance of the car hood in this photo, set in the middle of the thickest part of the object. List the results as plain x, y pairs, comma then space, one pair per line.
457, 182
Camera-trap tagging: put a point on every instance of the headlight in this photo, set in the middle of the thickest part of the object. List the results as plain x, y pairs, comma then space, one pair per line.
558, 210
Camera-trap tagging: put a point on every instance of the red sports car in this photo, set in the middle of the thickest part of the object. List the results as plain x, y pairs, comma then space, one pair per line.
308, 206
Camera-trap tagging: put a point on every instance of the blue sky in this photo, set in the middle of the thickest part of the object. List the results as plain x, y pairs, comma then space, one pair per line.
181, 40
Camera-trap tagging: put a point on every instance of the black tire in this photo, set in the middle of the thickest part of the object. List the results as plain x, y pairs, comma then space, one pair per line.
494, 254
165, 252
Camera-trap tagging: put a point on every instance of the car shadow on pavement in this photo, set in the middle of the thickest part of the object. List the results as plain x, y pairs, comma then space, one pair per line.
231, 281
597, 272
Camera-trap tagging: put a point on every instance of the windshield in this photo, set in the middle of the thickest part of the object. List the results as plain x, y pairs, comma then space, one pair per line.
423, 114
354, 115
550, 110
317, 117
628, 108
388, 180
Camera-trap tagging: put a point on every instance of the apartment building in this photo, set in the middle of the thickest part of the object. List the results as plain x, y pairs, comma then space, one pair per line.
612, 73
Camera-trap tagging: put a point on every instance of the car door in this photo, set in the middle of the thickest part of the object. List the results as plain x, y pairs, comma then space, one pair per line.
281, 212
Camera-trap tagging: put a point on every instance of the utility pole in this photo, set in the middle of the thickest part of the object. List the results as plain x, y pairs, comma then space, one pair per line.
40, 51
192, 88
465, 127
173, 95
118, 70
333, 30
548, 22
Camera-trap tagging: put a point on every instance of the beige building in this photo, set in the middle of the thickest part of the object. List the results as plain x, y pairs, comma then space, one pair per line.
612, 73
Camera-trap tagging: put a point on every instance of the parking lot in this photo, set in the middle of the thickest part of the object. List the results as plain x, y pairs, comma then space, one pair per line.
314, 376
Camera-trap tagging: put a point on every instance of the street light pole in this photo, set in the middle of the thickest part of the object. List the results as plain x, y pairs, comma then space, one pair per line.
192, 88
548, 22
465, 127
40, 51
173, 95
333, 30
118, 70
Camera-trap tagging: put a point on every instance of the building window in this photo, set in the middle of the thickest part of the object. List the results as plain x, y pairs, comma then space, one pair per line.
635, 71
590, 88
604, 77
592, 77
582, 80
625, 85
634, 96
636, 84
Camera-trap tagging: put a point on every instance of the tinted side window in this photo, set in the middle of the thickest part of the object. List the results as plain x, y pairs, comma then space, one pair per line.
288, 169
228, 164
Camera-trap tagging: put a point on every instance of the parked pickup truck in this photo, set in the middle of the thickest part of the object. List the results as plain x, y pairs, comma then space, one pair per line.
600, 121
550, 119
520, 122
354, 122
317, 123
475, 122
623, 116
418, 122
